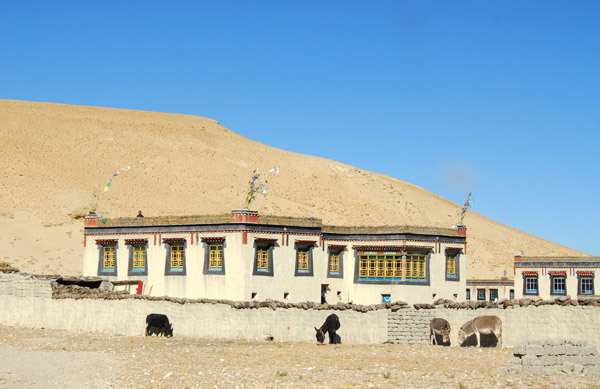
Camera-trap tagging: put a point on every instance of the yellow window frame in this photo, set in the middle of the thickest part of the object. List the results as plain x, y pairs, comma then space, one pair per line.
139, 258
177, 257
451, 266
334, 262
262, 258
303, 259
215, 255
109, 256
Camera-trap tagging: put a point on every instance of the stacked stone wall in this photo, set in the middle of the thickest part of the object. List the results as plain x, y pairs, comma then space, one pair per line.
551, 356
409, 325
15, 284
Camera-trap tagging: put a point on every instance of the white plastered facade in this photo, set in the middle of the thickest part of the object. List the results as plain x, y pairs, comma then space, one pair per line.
239, 281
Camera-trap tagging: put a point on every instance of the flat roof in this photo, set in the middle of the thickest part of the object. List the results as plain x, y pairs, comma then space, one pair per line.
556, 259
269, 220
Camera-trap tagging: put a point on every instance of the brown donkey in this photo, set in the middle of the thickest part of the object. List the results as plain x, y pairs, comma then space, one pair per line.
441, 327
481, 325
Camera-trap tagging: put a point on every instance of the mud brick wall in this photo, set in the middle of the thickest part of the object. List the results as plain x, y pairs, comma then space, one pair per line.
551, 356
409, 325
26, 301
14, 284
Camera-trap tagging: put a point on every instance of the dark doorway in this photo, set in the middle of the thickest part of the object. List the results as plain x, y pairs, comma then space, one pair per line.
324, 288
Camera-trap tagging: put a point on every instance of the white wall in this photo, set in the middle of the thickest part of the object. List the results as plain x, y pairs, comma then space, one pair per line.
239, 284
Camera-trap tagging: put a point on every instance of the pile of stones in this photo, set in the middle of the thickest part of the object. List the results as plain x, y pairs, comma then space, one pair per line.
552, 356
6, 267
510, 304
76, 292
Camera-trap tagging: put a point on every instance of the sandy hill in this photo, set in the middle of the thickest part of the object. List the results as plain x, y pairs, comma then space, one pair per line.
54, 157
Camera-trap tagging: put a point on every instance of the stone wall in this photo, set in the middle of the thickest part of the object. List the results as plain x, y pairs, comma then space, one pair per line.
551, 356
409, 325
27, 302
13, 284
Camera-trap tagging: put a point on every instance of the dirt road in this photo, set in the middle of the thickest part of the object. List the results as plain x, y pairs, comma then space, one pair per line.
54, 358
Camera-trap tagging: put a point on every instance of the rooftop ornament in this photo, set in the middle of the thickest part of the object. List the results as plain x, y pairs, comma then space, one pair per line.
107, 186
255, 187
463, 211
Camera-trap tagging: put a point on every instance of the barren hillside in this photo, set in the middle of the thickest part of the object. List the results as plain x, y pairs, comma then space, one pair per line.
54, 157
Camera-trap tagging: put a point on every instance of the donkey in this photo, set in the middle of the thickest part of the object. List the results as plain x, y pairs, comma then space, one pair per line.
481, 325
331, 325
441, 327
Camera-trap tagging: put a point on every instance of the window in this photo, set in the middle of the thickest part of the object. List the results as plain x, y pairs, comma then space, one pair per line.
263, 257
175, 262
558, 284
304, 260
511, 294
391, 266
380, 266
177, 257
415, 267
586, 283
493, 294
139, 258
335, 269
451, 262
386, 298
468, 294
530, 284
481, 294
214, 255
334, 263
107, 261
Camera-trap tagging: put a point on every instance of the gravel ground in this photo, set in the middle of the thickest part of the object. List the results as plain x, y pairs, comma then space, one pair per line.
56, 358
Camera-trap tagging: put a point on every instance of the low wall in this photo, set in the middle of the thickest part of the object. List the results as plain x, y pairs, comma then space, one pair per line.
522, 324
409, 325
26, 302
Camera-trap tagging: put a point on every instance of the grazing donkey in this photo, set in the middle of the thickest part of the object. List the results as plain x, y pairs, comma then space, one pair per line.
331, 325
441, 327
481, 325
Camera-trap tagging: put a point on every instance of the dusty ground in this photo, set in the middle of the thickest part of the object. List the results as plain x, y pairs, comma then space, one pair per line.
55, 358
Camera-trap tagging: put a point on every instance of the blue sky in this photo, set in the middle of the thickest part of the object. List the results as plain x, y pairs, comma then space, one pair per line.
500, 99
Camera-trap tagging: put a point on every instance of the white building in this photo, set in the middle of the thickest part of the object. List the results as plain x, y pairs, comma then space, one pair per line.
490, 290
242, 256
551, 277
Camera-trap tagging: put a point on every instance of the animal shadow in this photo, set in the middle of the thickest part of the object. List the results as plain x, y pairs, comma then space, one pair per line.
489, 340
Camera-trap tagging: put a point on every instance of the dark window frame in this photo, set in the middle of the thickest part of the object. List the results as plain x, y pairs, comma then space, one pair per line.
270, 247
309, 247
456, 265
130, 269
537, 282
491, 296
580, 278
484, 294
340, 252
101, 246
168, 244
555, 278
206, 268
468, 294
